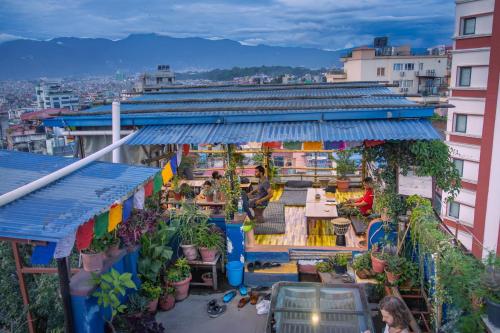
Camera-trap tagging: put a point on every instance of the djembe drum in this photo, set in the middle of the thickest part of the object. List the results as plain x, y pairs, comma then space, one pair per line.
340, 228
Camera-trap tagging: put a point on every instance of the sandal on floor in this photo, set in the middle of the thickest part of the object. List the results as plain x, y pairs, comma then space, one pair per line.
254, 297
217, 310
243, 290
251, 266
243, 301
268, 265
229, 296
211, 304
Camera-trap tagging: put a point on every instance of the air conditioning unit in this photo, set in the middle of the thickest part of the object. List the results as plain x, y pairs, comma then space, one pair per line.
402, 74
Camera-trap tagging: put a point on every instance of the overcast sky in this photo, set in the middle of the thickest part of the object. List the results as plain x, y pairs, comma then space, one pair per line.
326, 24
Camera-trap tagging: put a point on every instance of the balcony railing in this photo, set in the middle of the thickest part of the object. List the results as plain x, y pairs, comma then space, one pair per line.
426, 73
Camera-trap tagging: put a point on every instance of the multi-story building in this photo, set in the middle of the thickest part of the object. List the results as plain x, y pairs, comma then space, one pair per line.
473, 128
51, 95
426, 74
155, 81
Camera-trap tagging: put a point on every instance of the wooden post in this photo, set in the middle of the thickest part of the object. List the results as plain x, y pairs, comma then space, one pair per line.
315, 168
22, 286
63, 269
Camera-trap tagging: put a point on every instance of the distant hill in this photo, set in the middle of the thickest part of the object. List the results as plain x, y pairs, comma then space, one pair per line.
229, 74
68, 56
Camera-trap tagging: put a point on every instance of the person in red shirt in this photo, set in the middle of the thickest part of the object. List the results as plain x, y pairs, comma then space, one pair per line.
365, 203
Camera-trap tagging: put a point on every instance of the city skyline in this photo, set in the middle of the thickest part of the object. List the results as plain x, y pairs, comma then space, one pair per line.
324, 24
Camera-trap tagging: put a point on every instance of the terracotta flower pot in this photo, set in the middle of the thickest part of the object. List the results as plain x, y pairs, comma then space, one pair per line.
190, 251
207, 278
166, 302
181, 288
378, 265
92, 262
391, 277
363, 274
249, 238
207, 255
209, 198
153, 305
177, 196
342, 185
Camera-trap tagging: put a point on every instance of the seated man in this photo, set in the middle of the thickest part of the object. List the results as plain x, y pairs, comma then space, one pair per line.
207, 188
365, 203
262, 194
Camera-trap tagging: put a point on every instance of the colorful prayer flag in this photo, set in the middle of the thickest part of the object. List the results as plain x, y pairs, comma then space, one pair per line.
158, 183
84, 235
312, 145
115, 216
148, 189
139, 198
43, 254
185, 149
373, 143
295, 145
127, 208
179, 156
334, 145
173, 164
272, 145
101, 224
167, 173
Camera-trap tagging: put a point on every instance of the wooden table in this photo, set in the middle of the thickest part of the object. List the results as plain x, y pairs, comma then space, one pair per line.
311, 195
319, 210
213, 264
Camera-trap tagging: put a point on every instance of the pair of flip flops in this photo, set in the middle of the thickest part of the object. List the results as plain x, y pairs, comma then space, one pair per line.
214, 309
251, 266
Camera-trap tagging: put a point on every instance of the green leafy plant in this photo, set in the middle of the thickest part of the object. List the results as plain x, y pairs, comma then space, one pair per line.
97, 245
137, 304
362, 262
187, 191
340, 259
155, 252
176, 187
324, 266
150, 290
110, 287
179, 271
230, 185
396, 264
208, 192
186, 220
490, 279
207, 238
345, 164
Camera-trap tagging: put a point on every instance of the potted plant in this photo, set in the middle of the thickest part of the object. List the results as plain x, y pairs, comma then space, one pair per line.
208, 193
339, 263
186, 222
152, 292
248, 229
141, 222
209, 242
112, 243
154, 253
93, 256
490, 282
345, 166
137, 305
167, 299
179, 276
324, 267
110, 287
395, 266
378, 259
187, 192
176, 188
362, 264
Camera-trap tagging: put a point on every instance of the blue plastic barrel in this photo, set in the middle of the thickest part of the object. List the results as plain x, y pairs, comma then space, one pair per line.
235, 273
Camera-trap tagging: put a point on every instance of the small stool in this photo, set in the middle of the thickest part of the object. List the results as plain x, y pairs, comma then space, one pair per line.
213, 264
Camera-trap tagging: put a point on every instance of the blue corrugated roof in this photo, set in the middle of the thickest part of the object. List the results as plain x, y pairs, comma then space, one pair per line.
56, 210
349, 130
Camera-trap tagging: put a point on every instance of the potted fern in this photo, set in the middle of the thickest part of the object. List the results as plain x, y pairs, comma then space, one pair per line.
152, 292
208, 241
179, 276
345, 166
186, 222
394, 268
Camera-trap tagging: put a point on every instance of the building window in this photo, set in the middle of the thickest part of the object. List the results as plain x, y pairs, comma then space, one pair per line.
469, 26
407, 83
381, 71
461, 123
420, 66
396, 83
464, 75
398, 67
454, 209
459, 165
409, 67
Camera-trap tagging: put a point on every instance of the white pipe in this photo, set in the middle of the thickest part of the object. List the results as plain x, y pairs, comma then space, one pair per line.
94, 132
115, 128
46, 180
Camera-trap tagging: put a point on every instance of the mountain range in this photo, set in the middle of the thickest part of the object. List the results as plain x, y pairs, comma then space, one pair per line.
70, 56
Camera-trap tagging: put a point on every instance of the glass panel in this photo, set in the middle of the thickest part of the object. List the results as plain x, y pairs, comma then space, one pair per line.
469, 26
459, 165
461, 123
454, 209
464, 76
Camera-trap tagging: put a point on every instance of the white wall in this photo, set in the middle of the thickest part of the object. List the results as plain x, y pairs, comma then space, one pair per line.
472, 8
492, 226
471, 171
464, 151
467, 105
479, 76
465, 239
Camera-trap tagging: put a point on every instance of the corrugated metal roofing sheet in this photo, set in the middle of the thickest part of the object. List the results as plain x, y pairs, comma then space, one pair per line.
348, 130
56, 210
263, 104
